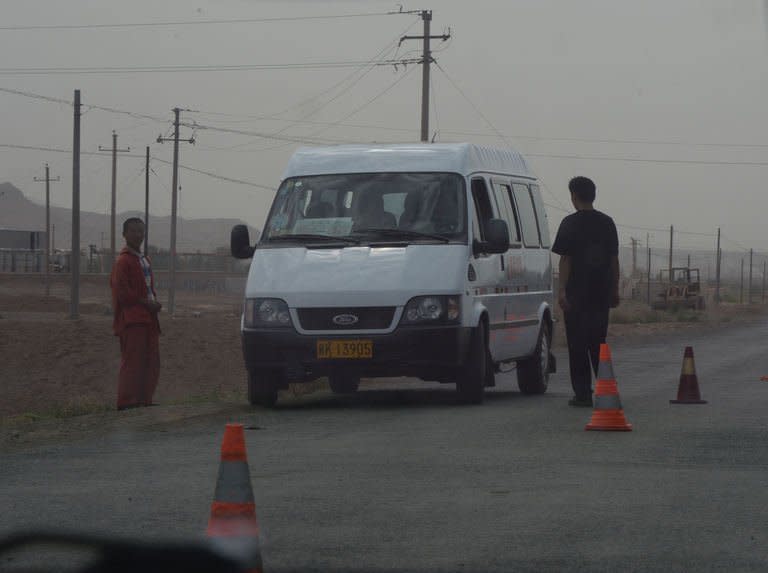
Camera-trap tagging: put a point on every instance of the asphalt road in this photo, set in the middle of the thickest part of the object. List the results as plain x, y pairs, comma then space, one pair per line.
406, 479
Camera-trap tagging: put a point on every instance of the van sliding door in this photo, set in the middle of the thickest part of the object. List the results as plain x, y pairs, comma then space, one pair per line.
488, 285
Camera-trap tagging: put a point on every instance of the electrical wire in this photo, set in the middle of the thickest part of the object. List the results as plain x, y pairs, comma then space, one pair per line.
32, 27
64, 70
217, 176
359, 108
362, 73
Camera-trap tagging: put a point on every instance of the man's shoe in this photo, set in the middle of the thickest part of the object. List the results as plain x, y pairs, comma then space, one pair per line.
580, 402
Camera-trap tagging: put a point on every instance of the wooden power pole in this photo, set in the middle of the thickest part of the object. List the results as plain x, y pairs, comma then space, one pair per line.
48, 181
112, 221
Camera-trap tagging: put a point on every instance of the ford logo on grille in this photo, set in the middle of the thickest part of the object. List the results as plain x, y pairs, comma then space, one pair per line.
345, 319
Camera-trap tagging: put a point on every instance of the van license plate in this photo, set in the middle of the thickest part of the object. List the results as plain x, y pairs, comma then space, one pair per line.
344, 349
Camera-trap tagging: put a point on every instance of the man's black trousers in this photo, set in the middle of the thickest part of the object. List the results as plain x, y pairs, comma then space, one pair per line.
585, 330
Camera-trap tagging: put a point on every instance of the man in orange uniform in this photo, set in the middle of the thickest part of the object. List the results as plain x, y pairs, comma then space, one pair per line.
135, 306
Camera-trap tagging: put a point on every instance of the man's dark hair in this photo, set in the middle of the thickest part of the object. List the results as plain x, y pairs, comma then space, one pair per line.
130, 221
583, 188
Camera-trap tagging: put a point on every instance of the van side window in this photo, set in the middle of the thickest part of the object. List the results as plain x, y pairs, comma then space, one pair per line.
483, 206
527, 215
507, 208
541, 216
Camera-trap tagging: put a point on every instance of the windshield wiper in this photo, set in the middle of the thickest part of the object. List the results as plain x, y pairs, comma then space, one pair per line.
403, 233
313, 237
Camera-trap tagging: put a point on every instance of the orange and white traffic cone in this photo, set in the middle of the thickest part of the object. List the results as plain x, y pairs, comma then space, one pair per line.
233, 526
608, 414
688, 389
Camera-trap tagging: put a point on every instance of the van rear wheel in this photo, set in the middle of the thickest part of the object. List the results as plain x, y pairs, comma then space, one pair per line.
533, 372
471, 381
262, 388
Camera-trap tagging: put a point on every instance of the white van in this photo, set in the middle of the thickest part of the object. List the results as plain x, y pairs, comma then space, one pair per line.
420, 260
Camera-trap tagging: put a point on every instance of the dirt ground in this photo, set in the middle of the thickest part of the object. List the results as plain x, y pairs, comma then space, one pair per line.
53, 367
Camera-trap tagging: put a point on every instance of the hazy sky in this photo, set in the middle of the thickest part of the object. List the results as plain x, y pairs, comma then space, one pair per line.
662, 103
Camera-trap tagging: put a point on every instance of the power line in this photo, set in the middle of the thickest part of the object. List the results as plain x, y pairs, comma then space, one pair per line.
360, 108
291, 139
135, 156
63, 70
36, 96
497, 133
394, 44
188, 22
643, 160
217, 176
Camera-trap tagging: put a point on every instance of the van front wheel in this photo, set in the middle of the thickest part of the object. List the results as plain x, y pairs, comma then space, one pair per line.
470, 384
533, 372
262, 388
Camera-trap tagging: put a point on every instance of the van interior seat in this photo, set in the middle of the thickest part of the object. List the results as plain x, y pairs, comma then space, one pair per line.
371, 213
320, 210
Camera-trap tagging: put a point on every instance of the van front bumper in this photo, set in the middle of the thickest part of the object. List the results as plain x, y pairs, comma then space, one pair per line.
431, 353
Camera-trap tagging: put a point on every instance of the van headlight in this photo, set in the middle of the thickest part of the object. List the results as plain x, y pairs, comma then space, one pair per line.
426, 309
270, 312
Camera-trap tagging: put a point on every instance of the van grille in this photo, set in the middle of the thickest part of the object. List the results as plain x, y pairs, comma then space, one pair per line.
368, 318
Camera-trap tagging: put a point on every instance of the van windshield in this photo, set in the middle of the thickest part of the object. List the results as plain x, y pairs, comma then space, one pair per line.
370, 207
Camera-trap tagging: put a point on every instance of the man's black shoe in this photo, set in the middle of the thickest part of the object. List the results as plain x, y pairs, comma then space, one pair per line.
580, 402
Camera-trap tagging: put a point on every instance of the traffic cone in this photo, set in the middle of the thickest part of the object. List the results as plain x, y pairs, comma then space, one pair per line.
233, 526
688, 389
607, 414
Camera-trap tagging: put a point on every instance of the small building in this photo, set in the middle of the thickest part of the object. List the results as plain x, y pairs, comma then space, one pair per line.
22, 240
22, 251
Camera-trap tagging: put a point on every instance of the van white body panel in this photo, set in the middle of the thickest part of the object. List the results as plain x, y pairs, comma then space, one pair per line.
356, 276
511, 292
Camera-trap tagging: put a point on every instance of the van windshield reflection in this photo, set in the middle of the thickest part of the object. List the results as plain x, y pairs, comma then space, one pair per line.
368, 206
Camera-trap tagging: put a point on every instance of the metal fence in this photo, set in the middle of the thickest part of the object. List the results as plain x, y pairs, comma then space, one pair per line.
29, 261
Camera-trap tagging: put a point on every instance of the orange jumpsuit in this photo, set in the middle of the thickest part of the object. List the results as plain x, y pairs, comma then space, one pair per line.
138, 329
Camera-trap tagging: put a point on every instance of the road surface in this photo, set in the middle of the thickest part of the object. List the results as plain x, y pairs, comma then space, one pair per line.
406, 479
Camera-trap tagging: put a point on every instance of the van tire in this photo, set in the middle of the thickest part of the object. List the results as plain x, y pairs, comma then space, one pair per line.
533, 372
262, 388
471, 381
344, 383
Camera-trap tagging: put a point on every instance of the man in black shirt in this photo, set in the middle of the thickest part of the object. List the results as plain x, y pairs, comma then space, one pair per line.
588, 246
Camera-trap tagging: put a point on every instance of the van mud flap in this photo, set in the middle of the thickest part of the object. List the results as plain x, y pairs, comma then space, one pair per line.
552, 363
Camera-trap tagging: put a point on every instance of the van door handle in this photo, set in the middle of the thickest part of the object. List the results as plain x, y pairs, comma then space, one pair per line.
502, 261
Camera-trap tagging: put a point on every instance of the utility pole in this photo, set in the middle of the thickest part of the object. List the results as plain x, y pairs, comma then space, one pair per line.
634, 256
648, 280
426, 62
174, 205
749, 289
763, 295
113, 223
741, 288
74, 263
47, 228
718, 255
146, 205
671, 236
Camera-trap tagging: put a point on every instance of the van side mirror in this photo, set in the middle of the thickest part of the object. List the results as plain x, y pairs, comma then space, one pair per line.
497, 238
240, 242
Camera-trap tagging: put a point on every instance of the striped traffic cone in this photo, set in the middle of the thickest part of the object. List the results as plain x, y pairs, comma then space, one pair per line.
607, 414
233, 525
688, 389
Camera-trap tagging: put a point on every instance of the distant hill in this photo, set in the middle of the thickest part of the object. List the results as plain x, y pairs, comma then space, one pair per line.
205, 235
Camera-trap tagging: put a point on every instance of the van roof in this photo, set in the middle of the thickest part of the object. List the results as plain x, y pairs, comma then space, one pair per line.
463, 158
